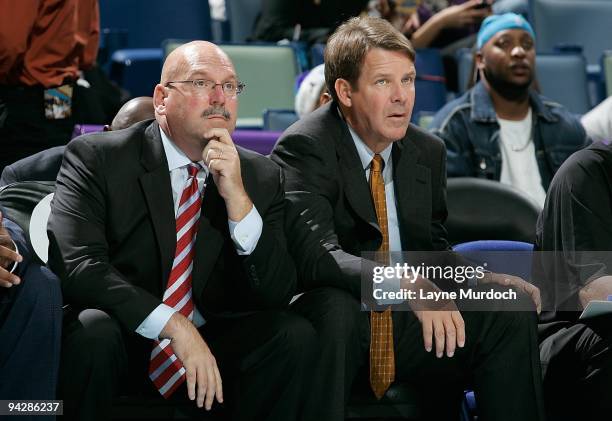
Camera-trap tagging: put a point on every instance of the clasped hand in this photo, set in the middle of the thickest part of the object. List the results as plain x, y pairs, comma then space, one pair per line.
8, 257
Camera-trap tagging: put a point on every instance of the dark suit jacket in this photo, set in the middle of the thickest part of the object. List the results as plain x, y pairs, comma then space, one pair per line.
319, 156
112, 231
42, 166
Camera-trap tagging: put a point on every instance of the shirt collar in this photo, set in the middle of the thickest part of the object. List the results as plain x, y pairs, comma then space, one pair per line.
483, 110
176, 158
365, 153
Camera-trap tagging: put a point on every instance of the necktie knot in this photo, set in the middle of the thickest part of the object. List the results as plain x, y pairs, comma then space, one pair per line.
377, 163
193, 169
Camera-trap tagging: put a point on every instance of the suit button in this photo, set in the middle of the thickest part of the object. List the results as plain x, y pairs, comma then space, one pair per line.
253, 272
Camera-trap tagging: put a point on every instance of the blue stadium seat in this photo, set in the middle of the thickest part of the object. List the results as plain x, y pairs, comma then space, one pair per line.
511, 257
573, 22
493, 245
563, 78
317, 54
149, 22
430, 95
241, 15
137, 70
111, 40
430, 83
278, 120
465, 68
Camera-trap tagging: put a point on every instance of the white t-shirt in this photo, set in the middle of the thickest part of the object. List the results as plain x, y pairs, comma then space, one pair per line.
519, 165
598, 121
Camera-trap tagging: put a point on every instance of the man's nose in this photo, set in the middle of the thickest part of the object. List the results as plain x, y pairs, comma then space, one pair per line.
399, 93
518, 50
217, 96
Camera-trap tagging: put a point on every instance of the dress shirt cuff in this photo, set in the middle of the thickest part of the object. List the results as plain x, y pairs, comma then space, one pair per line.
246, 233
152, 326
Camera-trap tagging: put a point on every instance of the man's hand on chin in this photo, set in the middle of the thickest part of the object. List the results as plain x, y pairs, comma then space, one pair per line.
202, 373
223, 162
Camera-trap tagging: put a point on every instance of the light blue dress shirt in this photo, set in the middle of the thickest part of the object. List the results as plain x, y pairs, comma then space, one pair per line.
395, 244
366, 155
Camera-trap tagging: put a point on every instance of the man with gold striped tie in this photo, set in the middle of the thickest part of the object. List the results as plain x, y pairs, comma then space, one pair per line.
362, 179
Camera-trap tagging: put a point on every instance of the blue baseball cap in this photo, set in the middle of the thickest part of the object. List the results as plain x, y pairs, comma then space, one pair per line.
496, 23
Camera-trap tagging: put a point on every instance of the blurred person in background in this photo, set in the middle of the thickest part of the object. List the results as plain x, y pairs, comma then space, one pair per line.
574, 235
598, 121
30, 321
445, 24
312, 92
303, 20
44, 44
502, 129
44, 165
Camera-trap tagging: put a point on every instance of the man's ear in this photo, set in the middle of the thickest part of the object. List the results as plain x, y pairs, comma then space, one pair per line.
479, 60
344, 91
159, 99
324, 98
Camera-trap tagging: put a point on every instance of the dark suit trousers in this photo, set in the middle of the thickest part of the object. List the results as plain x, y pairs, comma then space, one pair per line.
499, 361
30, 333
577, 369
263, 359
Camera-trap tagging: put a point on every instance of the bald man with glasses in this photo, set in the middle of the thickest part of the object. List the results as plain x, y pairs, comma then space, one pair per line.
169, 243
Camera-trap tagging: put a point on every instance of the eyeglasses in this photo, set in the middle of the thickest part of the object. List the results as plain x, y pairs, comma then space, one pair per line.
229, 89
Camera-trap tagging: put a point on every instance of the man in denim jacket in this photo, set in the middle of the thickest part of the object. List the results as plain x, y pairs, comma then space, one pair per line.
502, 129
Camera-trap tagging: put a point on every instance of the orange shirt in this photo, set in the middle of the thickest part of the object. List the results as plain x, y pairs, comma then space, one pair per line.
44, 42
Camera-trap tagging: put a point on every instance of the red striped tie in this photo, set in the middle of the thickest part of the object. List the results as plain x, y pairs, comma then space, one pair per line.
165, 370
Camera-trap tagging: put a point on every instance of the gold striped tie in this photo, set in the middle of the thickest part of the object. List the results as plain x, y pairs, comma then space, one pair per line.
382, 358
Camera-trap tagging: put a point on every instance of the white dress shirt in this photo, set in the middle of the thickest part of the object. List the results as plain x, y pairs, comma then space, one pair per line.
245, 233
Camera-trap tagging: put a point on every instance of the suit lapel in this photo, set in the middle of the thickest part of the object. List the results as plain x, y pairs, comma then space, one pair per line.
356, 188
210, 237
409, 180
155, 183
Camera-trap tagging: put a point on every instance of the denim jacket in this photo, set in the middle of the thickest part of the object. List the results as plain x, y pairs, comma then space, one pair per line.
468, 125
